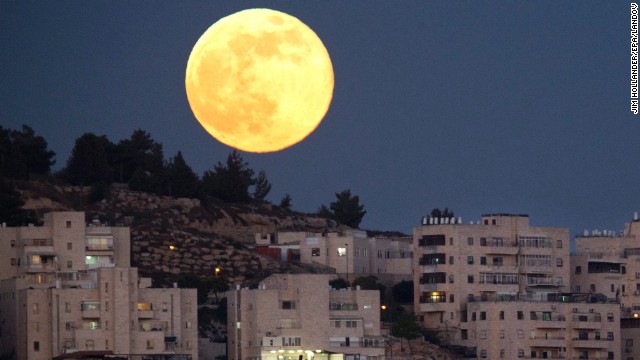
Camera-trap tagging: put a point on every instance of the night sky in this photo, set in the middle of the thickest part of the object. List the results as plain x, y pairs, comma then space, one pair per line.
482, 107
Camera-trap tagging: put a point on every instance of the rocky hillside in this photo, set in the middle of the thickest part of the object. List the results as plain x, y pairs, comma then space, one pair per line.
202, 237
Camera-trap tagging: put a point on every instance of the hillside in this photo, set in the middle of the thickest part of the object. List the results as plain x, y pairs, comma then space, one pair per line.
204, 236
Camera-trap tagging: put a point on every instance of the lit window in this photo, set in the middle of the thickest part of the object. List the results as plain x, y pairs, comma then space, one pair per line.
342, 251
315, 252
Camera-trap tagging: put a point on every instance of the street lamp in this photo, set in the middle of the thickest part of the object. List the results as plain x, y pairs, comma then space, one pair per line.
217, 271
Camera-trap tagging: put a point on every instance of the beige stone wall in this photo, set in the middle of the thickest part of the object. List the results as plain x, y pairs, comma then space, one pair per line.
265, 323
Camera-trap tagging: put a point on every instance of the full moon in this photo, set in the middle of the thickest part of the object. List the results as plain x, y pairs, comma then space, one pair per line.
259, 80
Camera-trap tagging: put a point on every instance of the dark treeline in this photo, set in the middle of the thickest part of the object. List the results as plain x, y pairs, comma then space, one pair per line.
140, 162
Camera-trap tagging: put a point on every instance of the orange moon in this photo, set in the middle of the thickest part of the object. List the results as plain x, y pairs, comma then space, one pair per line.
259, 80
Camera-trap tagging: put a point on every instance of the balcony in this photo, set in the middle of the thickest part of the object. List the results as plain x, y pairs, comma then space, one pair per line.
590, 344
548, 342
145, 314
48, 266
544, 281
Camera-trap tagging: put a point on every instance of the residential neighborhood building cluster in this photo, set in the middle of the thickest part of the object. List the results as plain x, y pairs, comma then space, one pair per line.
67, 290
497, 288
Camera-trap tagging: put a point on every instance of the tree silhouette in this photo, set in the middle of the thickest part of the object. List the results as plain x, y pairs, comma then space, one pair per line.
230, 181
183, 182
11, 211
23, 154
262, 186
403, 292
446, 213
89, 161
407, 327
285, 203
347, 209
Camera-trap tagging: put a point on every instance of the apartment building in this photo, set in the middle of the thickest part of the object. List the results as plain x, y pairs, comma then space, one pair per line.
351, 253
299, 317
67, 291
501, 288
608, 262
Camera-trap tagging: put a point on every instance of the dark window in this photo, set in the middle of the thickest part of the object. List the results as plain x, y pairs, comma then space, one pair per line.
470, 241
431, 240
288, 305
470, 279
483, 315
464, 334
473, 316
451, 298
68, 224
501, 315
533, 316
451, 260
470, 260
483, 260
315, 252
520, 315
483, 241
578, 269
36, 346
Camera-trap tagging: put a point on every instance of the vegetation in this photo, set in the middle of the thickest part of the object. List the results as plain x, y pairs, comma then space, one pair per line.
446, 213
407, 327
23, 154
11, 211
345, 210
403, 292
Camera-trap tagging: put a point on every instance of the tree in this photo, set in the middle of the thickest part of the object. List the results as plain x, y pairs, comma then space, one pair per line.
139, 161
89, 161
407, 327
262, 186
11, 211
323, 211
23, 153
403, 292
339, 283
347, 209
285, 203
183, 181
231, 181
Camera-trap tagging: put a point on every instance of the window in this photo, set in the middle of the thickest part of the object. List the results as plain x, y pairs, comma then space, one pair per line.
36, 308
470, 260
67, 307
520, 352
559, 244
501, 315
597, 335
464, 334
483, 241
89, 345
532, 315
106, 306
520, 333
315, 251
473, 316
69, 264
502, 353
609, 336
106, 344
498, 261
610, 355
451, 241
546, 315
483, 315
451, 278
342, 251
13, 261
592, 287
469, 241
379, 254
13, 243
187, 325
165, 306
629, 343
69, 246
288, 305
68, 224
451, 298
483, 353
149, 344
483, 260
351, 324
533, 354
451, 260
470, 279
106, 287
501, 334
189, 346
67, 326
336, 323
578, 269
559, 262
520, 315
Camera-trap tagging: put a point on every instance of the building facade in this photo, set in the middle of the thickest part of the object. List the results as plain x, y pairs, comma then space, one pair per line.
608, 262
351, 253
298, 317
500, 286
68, 290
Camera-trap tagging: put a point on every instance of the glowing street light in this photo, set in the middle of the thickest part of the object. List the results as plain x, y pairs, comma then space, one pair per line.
217, 271
171, 247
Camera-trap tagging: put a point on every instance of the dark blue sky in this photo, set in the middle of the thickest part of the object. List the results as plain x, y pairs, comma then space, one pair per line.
511, 106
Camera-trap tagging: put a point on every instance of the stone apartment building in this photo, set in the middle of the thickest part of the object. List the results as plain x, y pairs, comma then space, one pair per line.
351, 253
501, 288
608, 262
298, 317
67, 291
